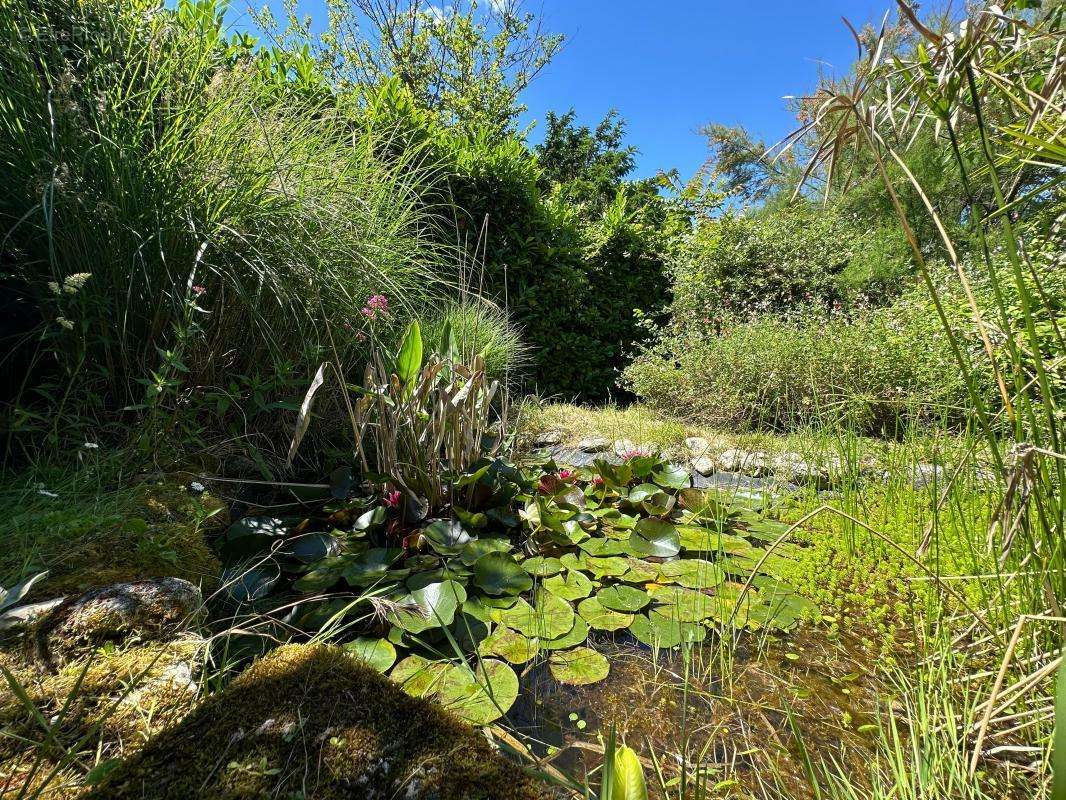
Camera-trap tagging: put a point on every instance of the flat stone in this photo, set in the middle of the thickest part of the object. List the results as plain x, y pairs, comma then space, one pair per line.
697, 446
150, 610
547, 438
754, 464
704, 465
594, 444
793, 467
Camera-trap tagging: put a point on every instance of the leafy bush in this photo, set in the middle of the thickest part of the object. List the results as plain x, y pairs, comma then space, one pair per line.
877, 371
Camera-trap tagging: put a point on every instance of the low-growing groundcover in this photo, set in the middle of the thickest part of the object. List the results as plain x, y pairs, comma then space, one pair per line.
536, 561
314, 722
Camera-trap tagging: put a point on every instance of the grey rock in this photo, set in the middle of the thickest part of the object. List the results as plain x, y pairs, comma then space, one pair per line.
793, 467
149, 610
594, 444
547, 438
697, 446
704, 465
754, 464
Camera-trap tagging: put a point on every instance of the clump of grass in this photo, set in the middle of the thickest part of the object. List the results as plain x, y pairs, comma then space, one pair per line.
152, 165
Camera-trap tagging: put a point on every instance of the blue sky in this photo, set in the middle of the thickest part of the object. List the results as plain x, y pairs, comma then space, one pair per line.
673, 65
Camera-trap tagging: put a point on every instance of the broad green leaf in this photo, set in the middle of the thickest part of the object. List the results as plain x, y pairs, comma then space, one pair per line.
542, 566
409, 358
622, 598
446, 536
571, 586
654, 537
694, 573
479, 696
604, 619
627, 776
378, 653
577, 635
435, 605
548, 618
510, 645
499, 573
578, 667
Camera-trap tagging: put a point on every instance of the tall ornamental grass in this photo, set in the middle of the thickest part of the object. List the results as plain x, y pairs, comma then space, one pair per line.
177, 208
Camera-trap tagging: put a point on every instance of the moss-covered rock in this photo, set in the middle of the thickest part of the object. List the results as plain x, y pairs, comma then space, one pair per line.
102, 707
315, 722
148, 610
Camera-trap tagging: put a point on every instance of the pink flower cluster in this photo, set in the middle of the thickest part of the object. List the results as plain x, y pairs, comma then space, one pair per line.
375, 304
198, 290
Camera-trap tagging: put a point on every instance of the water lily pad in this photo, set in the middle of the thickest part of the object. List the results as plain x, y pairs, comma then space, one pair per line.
468, 630
656, 629
244, 585
672, 477
542, 566
307, 548
597, 616
578, 667
654, 537
610, 566
446, 536
571, 586
659, 504
499, 573
378, 653
479, 696
548, 618
374, 565
419, 676
684, 605
695, 573
602, 546
577, 635
707, 540
251, 535
510, 645
435, 606
477, 548
640, 571
317, 580
638, 494
622, 598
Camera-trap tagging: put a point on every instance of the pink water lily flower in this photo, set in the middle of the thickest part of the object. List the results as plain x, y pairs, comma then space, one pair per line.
566, 474
630, 454
392, 499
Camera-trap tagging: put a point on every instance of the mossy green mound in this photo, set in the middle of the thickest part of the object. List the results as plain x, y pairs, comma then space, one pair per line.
314, 721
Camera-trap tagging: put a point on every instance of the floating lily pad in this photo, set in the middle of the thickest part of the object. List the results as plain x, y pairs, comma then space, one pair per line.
374, 565
378, 653
640, 571
694, 573
622, 598
684, 605
610, 566
477, 548
574, 561
672, 477
468, 630
654, 537
244, 585
548, 618
656, 629
251, 535
435, 604
597, 616
317, 580
578, 667
571, 586
499, 573
308, 548
542, 566
479, 696
510, 645
446, 536
707, 540
419, 676
601, 546
577, 635
638, 494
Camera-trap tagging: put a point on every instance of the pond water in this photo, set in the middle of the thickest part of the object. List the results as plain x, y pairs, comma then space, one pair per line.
723, 710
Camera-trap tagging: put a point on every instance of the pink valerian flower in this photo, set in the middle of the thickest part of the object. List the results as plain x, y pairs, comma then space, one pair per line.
636, 453
378, 302
198, 290
368, 312
392, 499
566, 474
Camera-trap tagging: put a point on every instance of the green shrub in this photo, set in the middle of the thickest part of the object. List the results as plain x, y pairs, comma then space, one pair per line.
877, 371
178, 209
